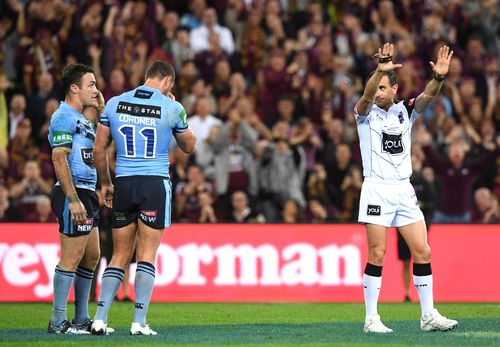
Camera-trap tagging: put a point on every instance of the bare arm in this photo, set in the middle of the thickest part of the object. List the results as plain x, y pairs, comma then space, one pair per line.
100, 154
18, 189
63, 174
101, 163
61, 167
186, 140
44, 185
432, 88
109, 24
365, 104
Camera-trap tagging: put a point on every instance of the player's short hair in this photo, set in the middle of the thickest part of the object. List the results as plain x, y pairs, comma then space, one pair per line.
391, 75
160, 69
72, 74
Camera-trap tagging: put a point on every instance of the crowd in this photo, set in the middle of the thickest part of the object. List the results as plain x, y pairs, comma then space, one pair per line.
269, 87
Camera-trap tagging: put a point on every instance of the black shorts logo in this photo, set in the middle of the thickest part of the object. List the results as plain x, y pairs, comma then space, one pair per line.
373, 210
392, 144
120, 216
86, 225
87, 156
149, 216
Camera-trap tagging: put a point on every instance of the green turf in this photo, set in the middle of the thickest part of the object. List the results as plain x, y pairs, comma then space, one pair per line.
261, 325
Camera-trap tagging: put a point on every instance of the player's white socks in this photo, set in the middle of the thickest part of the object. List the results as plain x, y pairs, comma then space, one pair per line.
422, 279
372, 281
82, 284
62, 284
111, 280
144, 283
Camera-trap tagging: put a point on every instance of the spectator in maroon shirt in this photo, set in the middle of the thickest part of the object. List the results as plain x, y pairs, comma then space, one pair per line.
117, 84
291, 212
475, 59
8, 213
188, 206
46, 90
41, 137
20, 149
167, 36
220, 84
187, 77
456, 177
238, 91
207, 212
273, 82
115, 45
305, 134
253, 45
207, 58
242, 211
313, 97
285, 111
318, 211
43, 212
25, 193
486, 209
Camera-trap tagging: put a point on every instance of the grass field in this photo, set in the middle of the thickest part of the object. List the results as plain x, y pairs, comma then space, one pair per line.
262, 325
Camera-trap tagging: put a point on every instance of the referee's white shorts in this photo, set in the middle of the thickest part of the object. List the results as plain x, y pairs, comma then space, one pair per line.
388, 203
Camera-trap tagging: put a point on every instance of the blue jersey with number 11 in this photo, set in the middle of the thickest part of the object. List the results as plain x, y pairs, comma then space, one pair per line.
142, 122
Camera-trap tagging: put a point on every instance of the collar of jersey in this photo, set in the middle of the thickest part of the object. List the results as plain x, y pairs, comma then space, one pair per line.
71, 108
387, 112
151, 89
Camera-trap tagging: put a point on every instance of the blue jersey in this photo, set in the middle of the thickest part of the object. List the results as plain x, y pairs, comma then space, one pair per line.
142, 122
69, 128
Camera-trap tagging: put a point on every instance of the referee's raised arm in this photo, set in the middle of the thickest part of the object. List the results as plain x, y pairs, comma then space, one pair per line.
440, 70
365, 103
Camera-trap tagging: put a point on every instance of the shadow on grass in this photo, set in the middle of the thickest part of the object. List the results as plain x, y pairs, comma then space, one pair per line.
484, 331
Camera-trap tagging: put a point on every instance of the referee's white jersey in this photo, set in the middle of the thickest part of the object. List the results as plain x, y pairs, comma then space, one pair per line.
387, 197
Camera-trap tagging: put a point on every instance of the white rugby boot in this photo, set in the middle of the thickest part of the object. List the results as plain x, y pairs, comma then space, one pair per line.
141, 329
65, 328
87, 326
373, 324
436, 322
100, 328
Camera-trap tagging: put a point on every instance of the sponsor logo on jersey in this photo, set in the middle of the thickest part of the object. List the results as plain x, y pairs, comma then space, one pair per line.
183, 117
86, 225
400, 116
138, 110
87, 156
60, 137
149, 216
392, 143
86, 129
143, 94
373, 210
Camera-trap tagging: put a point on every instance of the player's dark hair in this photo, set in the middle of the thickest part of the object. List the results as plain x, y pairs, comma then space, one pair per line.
391, 75
72, 74
160, 69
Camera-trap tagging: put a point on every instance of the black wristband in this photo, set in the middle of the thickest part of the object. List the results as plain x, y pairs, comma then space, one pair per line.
439, 78
383, 60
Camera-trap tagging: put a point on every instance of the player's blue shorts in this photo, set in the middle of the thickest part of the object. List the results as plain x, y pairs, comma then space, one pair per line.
60, 206
147, 198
